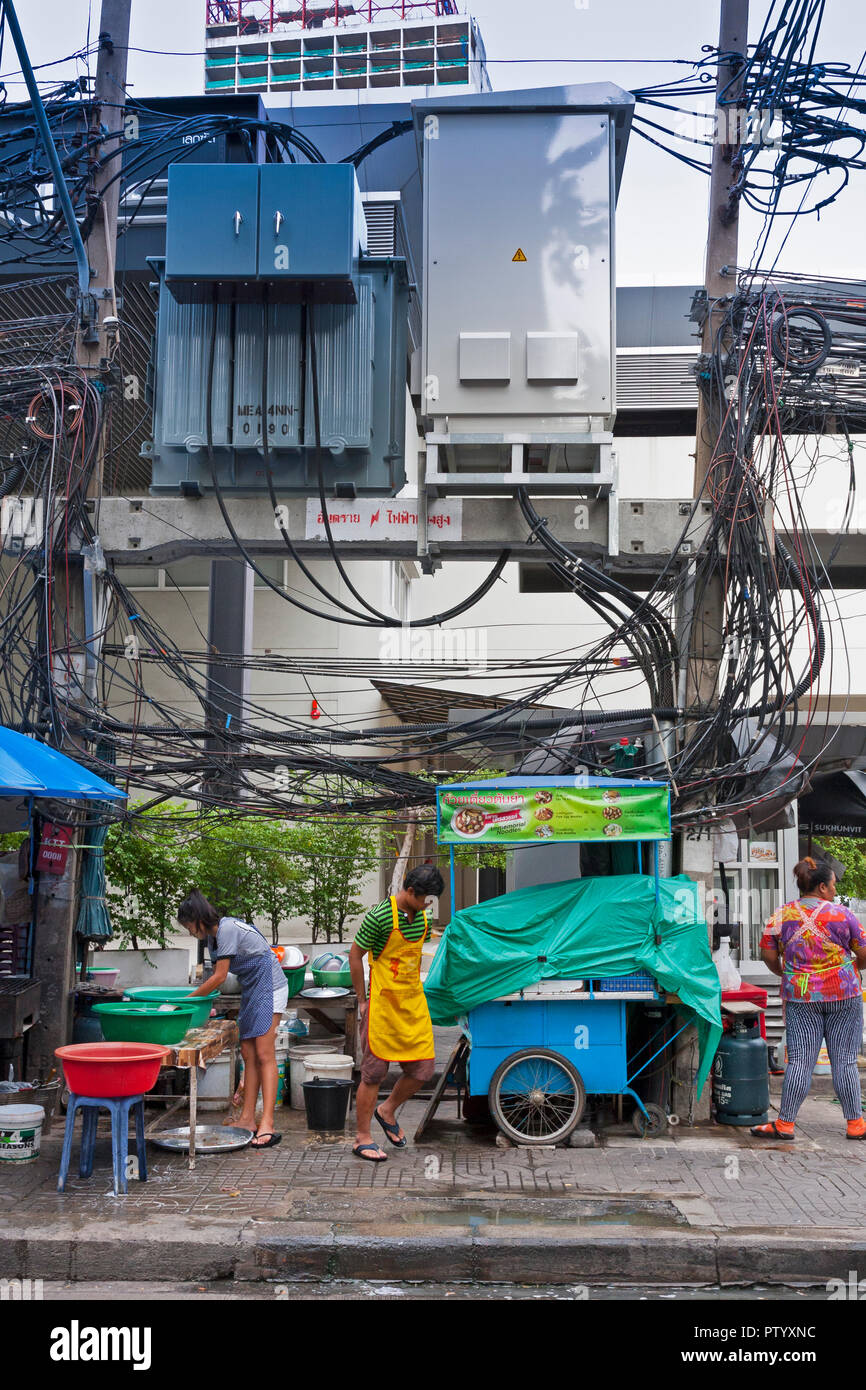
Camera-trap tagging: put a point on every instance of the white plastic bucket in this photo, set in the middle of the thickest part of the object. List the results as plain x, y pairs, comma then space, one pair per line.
20, 1132
297, 1071
328, 1066
216, 1086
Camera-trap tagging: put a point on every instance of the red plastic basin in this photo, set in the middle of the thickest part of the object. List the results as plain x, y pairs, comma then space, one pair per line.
111, 1069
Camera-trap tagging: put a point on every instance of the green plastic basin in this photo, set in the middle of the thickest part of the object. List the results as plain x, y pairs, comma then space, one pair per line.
333, 979
144, 1022
201, 1005
295, 977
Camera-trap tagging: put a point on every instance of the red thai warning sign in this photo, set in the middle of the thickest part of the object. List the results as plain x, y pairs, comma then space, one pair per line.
54, 848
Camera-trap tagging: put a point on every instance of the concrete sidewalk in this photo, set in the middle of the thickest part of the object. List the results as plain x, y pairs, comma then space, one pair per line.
703, 1206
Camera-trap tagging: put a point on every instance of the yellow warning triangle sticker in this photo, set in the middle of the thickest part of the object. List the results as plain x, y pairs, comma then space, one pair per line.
518, 256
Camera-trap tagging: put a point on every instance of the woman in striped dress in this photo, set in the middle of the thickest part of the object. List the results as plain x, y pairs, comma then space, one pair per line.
238, 947
818, 948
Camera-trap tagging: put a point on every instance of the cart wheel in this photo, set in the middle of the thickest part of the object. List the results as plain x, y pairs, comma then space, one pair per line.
537, 1096
652, 1127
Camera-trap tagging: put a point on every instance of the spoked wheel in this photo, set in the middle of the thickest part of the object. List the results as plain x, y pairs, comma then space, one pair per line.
652, 1127
537, 1096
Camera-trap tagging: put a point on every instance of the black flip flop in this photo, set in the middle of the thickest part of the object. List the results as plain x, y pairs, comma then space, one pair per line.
270, 1143
390, 1131
360, 1151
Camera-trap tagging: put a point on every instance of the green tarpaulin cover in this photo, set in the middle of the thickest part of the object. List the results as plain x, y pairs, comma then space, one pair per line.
585, 927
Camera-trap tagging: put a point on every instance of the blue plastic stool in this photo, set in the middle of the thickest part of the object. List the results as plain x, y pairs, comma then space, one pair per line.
120, 1107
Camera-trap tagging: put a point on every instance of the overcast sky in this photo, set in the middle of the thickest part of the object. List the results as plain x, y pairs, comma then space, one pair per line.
661, 224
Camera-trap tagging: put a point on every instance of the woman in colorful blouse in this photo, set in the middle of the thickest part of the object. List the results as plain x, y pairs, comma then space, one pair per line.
818, 948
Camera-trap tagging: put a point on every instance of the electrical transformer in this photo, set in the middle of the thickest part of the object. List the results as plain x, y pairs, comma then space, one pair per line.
266, 294
518, 379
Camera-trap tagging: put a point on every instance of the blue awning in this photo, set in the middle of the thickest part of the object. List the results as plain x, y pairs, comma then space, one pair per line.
32, 769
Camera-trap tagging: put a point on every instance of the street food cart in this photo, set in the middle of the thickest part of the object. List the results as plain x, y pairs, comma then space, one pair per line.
544, 980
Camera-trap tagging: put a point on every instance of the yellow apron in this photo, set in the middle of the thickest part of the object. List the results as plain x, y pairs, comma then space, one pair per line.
399, 1027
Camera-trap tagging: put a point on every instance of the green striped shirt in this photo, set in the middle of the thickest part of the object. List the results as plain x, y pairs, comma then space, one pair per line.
373, 933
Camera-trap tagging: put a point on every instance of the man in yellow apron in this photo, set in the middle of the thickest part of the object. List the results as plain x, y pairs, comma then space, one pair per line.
395, 1021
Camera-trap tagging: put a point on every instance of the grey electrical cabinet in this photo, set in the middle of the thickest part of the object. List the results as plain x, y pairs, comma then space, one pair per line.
518, 347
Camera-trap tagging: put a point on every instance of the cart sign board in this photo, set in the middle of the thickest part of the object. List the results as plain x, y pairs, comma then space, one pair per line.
530, 811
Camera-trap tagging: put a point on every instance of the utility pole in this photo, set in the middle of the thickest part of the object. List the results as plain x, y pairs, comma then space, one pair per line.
74, 606
109, 97
703, 631
705, 640
719, 281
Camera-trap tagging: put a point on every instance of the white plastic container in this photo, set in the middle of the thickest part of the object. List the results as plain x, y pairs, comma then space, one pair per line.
215, 1086
20, 1132
298, 1053
328, 1066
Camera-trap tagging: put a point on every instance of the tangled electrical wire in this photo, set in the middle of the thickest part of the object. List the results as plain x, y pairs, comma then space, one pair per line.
787, 120
156, 705
118, 691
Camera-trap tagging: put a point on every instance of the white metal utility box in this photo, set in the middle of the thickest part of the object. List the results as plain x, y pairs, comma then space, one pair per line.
518, 356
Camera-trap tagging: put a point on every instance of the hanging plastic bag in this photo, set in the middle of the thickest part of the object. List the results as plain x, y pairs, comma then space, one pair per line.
729, 975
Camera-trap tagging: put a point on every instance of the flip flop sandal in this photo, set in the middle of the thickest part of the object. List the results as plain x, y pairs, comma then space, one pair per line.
371, 1152
769, 1132
391, 1131
270, 1142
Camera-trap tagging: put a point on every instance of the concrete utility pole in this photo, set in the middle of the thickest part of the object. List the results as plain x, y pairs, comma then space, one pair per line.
109, 96
58, 898
705, 641
704, 637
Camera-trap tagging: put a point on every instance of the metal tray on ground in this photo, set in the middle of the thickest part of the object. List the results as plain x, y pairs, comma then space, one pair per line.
209, 1139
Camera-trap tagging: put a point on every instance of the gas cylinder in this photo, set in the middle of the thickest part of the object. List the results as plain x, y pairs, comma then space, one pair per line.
741, 1086
86, 1027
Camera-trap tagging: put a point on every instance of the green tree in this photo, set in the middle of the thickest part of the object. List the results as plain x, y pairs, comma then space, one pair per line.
222, 863
851, 853
280, 873
338, 852
146, 873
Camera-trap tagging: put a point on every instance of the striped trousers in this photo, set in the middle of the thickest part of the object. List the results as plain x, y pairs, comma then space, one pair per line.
840, 1023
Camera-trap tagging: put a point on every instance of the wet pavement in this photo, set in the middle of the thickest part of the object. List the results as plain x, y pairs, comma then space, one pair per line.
714, 1176
703, 1206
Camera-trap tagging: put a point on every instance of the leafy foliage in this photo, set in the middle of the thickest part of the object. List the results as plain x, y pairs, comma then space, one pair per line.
851, 853
248, 867
146, 872
338, 853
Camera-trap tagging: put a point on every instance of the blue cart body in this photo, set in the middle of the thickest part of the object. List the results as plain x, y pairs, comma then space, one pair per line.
586, 1026
588, 1033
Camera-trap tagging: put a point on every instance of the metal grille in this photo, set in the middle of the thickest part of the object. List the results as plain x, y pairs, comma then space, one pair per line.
15, 985
130, 423
655, 381
381, 228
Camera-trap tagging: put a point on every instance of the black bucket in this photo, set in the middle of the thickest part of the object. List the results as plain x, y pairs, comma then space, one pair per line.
327, 1103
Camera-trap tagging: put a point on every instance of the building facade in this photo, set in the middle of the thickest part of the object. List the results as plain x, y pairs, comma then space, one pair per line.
321, 50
